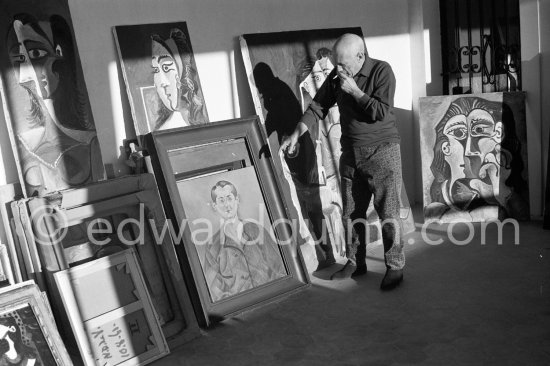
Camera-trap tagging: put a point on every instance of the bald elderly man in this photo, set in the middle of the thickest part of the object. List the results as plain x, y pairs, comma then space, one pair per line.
370, 165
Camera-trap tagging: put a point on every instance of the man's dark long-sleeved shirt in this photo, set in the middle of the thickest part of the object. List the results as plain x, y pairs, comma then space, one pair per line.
367, 122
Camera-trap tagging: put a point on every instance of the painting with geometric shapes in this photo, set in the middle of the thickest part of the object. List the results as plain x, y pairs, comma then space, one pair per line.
474, 157
161, 76
46, 105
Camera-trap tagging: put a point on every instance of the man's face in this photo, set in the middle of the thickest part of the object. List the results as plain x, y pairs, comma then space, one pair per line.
226, 204
348, 61
165, 76
33, 57
472, 139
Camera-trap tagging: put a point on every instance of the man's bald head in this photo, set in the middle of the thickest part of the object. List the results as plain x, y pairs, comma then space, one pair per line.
349, 53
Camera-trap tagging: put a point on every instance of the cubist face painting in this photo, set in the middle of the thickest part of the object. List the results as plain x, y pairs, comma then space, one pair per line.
471, 147
165, 75
33, 55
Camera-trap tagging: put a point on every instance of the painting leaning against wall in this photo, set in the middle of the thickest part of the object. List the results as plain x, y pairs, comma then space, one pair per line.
285, 70
474, 157
46, 105
161, 76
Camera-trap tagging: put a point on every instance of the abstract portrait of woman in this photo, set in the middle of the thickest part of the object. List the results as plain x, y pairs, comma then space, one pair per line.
56, 140
176, 82
477, 161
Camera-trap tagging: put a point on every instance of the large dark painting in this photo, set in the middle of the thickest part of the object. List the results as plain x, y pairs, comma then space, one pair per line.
44, 96
161, 76
474, 157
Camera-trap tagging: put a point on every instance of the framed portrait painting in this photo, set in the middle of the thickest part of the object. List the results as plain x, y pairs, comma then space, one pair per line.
161, 76
237, 240
27, 328
44, 96
474, 157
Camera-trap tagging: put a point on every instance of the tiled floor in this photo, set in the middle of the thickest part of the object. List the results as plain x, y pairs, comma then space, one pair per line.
468, 304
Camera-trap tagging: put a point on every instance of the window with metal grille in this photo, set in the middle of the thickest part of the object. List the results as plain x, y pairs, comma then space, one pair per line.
480, 46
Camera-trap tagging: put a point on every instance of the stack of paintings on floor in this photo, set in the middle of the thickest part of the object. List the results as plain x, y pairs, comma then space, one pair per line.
120, 271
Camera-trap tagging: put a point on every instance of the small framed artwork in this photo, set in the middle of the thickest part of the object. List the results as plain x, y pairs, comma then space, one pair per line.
238, 242
27, 328
161, 77
78, 226
111, 312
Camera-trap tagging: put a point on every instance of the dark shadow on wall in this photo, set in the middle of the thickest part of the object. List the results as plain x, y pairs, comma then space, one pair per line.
282, 114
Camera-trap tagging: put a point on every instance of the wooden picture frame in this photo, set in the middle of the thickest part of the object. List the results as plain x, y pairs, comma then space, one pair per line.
8, 194
111, 312
24, 310
54, 236
173, 154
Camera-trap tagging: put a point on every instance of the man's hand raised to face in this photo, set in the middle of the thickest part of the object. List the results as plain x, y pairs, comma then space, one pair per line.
349, 86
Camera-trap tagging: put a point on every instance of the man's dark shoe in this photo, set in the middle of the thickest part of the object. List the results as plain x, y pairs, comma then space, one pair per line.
360, 270
345, 272
327, 262
392, 279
